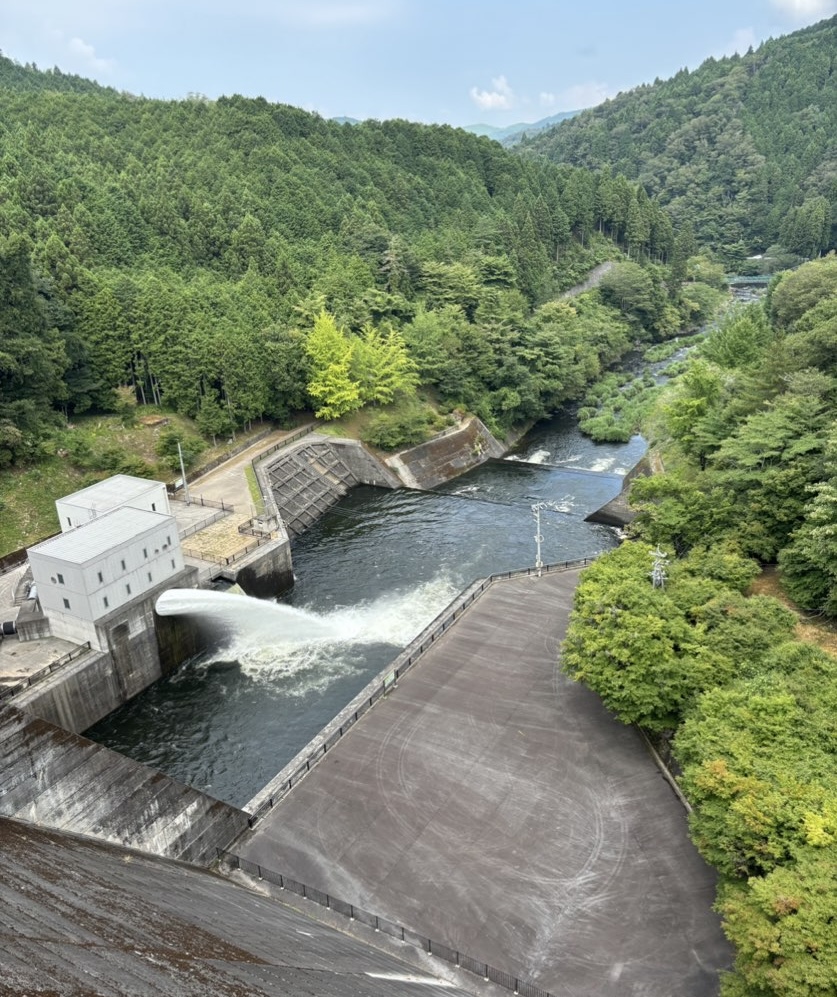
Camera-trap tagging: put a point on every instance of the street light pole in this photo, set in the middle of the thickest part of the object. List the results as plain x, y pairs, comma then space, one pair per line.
536, 509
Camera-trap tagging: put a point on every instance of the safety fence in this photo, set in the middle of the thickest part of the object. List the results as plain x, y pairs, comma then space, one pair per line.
507, 980
408, 657
42, 673
285, 442
209, 503
220, 558
202, 525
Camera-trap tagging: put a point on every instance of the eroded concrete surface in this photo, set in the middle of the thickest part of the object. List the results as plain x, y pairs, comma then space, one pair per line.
493, 805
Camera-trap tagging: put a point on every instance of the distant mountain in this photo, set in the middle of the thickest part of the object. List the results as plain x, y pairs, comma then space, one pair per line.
512, 134
744, 149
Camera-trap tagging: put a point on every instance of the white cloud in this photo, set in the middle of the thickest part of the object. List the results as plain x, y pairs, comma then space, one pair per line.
806, 10
577, 97
80, 50
501, 98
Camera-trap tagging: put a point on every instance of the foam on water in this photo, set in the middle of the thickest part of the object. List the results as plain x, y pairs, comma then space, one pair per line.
307, 650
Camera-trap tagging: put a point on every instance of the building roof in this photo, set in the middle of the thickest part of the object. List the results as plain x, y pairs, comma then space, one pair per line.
108, 530
112, 492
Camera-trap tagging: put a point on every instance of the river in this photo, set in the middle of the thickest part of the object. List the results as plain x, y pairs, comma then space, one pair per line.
372, 573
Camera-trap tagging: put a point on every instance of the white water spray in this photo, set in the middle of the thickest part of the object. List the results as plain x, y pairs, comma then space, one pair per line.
274, 642
243, 614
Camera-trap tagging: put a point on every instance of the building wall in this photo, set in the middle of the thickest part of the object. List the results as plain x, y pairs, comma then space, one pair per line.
90, 591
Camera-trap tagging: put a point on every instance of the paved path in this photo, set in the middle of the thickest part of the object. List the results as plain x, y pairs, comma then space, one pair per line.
228, 482
493, 805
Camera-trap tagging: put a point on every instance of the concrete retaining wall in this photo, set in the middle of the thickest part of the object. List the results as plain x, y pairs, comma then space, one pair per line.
95, 684
446, 456
58, 779
618, 512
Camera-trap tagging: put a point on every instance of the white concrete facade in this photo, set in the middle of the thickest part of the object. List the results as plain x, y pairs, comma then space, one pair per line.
85, 574
113, 493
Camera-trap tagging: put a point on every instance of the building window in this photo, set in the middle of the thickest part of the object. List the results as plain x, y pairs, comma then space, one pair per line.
128, 589
66, 604
168, 541
100, 576
69, 521
145, 553
106, 602
123, 565
60, 578
149, 576
172, 563
153, 506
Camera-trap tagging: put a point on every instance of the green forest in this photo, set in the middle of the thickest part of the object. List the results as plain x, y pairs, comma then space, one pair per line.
742, 149
235, 261
716, 673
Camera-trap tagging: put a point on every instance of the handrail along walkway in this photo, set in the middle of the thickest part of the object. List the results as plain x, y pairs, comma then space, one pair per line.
516, 984
408, 657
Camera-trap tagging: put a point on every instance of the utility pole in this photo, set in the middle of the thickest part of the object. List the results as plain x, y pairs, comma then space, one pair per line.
658, 571
183, 472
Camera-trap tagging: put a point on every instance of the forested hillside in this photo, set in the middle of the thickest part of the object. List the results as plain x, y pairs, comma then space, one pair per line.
744, 149
237, 259
749, 444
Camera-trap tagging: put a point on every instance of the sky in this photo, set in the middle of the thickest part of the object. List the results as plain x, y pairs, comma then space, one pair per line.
459, 62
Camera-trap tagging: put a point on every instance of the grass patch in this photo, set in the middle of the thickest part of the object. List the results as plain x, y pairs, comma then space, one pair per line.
88, 449
27, 500
811, 629
256, 496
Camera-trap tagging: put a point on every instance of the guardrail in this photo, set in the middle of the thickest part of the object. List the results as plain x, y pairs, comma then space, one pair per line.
47, 670
516, 984
408, 657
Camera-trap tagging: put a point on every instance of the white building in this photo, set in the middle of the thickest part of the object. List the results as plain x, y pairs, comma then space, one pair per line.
85, 574
113, 493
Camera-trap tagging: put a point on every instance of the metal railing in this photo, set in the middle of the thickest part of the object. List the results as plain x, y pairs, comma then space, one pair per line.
30, 680
202, 525
220, 559
408, 657
209, 503
509, 981
287, 441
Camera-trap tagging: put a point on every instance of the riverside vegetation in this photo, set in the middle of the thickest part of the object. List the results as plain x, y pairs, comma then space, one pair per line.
230, 261
748, 438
